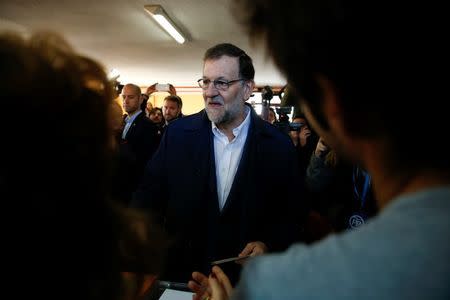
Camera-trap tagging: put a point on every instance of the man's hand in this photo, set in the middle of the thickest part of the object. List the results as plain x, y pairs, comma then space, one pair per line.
215, 287
220, 285
304, 134
321, 149
252, 249
200, 286
172, 90
294, 137
151, 89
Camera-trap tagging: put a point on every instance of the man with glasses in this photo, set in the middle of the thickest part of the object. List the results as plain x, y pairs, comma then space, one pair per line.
220, 180
333, 54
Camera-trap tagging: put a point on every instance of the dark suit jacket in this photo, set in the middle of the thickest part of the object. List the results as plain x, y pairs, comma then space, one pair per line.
133, 154
142, 139
180, 188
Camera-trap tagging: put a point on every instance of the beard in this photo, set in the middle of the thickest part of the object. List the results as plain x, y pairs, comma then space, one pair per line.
224, 114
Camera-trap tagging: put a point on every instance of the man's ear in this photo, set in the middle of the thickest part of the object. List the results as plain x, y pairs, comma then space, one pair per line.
332, 109
248, 89
329, 94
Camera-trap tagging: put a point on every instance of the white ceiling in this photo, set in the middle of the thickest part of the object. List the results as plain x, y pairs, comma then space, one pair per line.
121, 35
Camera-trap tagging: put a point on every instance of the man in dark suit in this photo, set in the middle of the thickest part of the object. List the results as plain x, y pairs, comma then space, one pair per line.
220, 180
138, 143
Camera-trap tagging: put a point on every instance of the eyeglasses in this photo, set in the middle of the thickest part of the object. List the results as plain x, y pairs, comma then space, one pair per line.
219, 84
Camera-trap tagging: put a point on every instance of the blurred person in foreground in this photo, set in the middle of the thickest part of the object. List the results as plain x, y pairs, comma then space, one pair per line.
65, 239
358, 85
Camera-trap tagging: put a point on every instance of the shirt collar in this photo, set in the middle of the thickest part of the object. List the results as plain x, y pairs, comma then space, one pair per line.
131, 117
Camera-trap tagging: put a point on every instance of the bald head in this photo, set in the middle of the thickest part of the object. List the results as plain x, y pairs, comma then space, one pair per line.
131, 97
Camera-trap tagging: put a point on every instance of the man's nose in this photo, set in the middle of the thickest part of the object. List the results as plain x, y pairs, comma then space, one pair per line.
210, 91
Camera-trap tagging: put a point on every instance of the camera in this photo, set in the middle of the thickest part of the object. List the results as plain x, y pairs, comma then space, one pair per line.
266, 93
118, 88
295, 126
284, 110
283, 113
283, 123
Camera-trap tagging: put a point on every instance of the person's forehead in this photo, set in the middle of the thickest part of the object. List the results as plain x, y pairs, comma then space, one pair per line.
225, 66
129, 90
170, 103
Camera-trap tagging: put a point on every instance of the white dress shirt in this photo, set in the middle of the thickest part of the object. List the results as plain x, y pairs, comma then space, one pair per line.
128, 121
228, 155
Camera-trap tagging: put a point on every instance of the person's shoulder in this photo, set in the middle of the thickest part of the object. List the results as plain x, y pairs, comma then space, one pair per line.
142, 120
388, 244
188, 122
272, 133
320, 271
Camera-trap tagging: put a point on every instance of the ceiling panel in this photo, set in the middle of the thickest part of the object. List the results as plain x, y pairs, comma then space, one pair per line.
121, 35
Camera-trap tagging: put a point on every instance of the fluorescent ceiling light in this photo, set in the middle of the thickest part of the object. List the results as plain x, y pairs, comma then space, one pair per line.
160, 16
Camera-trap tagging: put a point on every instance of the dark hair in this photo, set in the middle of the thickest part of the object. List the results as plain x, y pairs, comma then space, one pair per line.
176, 99
366, 60
145, 98
246, 69
56, 169
154, 110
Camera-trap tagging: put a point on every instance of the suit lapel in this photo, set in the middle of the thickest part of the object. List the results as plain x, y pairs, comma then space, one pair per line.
203, 159
132, 129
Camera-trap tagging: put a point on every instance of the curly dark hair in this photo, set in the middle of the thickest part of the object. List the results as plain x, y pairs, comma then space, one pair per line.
55, 171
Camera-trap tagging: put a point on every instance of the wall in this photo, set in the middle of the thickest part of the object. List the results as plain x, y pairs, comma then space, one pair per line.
192, 99
192, 102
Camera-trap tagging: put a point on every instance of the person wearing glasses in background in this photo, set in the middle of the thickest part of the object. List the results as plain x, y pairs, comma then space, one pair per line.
216, 181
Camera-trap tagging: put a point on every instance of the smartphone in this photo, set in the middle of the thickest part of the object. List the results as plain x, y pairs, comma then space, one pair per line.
162, 87
295, 126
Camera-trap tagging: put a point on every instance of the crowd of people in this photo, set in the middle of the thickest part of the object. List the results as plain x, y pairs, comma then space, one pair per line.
348, 205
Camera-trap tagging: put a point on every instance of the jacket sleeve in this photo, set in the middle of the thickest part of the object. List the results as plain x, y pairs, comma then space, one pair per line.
150, 194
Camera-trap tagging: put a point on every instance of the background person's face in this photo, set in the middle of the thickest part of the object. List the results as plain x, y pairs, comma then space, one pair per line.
156, 117
170, 110
131, 99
